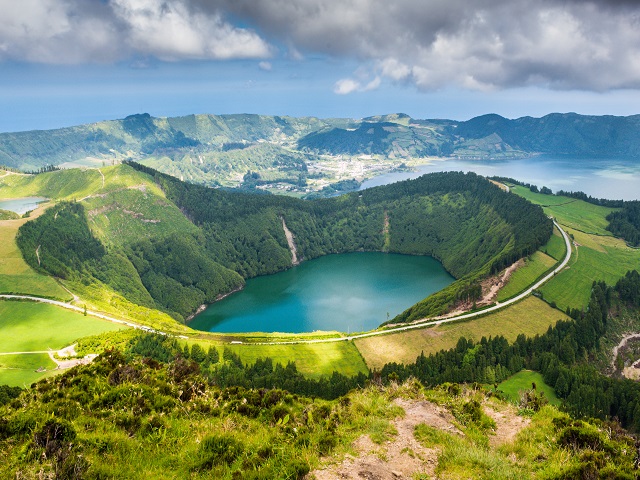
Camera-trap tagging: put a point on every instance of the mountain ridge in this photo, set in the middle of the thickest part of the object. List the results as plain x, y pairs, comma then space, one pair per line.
141, 135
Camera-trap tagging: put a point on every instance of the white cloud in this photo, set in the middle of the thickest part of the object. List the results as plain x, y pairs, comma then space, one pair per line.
346, 86
77, 31
266, 66
485, 44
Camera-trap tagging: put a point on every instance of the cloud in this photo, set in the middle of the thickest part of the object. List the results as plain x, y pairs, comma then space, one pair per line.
80, 31
265, 66
480, 45
485, 44
346, 86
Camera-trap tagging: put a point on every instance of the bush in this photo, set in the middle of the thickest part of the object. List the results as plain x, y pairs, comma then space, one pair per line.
218, 450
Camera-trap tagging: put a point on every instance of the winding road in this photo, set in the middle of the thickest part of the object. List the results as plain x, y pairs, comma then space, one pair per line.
419, 324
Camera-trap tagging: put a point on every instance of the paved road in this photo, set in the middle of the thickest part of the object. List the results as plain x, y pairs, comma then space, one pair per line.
420, 324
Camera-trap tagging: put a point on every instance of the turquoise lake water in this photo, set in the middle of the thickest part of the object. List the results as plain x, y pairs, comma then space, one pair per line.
347, 292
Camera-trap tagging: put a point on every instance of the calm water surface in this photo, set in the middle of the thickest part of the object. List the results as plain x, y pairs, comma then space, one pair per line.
347, 292
21, 205
602, 178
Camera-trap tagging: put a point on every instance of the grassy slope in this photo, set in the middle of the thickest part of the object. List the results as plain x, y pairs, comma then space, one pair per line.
530, 317
534, 266
599, 255
15, 275
109, 220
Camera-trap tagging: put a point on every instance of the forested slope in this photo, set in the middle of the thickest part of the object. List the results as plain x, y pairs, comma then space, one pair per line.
467, 223
182, 245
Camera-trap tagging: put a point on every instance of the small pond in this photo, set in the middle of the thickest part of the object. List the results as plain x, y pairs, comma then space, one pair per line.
21, 205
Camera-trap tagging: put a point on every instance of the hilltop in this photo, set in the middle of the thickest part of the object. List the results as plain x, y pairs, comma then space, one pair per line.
303, 155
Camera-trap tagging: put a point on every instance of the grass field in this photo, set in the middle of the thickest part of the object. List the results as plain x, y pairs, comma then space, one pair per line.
531, 316
31, 326
555, 247
21, 370
571, 212
598, 256
526, 275
15, 275
313, 360
523, 380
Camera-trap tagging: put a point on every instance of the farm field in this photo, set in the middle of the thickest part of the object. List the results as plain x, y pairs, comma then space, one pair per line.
524, 276
570, 212
530, 317
555, 247
21, 370
30, 326
523, 380
595, 258
597, 254
313, 360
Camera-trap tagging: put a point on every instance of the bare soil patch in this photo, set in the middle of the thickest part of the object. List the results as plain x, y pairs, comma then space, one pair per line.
508, 425
401, 458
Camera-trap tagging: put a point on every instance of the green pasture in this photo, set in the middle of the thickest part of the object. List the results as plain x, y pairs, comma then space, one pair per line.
524, 276
523, 380
31, 326
21, 370
555, 247
597, 255
312, 360
531, 316
571, 212
595, 258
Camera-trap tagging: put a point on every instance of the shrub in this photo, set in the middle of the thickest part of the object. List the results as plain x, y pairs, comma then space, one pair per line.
216, 450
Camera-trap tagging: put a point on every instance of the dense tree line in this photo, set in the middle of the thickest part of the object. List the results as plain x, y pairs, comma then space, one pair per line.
561, 355
228, 370
626, 222
603, 202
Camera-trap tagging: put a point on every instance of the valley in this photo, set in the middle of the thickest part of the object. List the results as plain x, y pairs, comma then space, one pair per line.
132, 254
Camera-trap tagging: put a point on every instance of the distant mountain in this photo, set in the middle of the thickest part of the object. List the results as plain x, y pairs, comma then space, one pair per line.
199, 145
556, 133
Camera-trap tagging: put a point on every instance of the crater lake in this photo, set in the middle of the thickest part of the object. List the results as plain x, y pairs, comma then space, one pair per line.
348, 292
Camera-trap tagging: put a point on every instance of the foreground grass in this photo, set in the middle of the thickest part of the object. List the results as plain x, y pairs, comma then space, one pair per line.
134, 419
529, 317
522, 381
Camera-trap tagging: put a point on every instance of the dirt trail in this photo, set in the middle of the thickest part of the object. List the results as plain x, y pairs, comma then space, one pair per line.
401, 458
620, 345
508, 425
63, 361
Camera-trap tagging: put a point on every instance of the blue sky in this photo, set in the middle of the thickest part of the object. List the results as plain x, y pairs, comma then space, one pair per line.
66, 62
